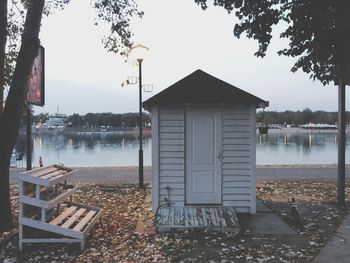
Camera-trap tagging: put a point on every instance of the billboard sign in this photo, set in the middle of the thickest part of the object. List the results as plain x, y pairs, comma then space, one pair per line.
36, 80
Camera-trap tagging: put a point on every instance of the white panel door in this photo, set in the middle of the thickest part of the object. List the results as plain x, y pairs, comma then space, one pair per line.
203, 156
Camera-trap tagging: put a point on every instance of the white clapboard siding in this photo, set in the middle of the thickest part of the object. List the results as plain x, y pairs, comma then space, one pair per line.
171, 156
172, 185
237, 197
237, 122
236, 165
174, 160
236, 162
171, 123
169, 129
173, 191
155, 158
236, 141
238, 147
236, 116
243, 159
171, 141
234, 185
172, 198
236, 153
174, 203
235, 128
253, 160
235, 178
232, 172
171, 166
173, 148
171, 173
171, 179
238, 157
171, 135
236, 191
235, 134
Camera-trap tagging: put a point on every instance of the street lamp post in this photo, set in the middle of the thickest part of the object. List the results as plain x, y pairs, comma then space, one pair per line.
139, 60
137, 53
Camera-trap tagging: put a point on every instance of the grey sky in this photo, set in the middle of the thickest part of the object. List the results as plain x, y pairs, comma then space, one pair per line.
82, 77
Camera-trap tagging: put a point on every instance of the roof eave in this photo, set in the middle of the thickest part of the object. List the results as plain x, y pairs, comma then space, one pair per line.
263, 104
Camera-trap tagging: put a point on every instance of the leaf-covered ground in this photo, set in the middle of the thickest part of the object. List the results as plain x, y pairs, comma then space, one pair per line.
114, 240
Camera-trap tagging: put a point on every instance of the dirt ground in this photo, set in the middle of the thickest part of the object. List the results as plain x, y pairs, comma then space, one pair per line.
114, 238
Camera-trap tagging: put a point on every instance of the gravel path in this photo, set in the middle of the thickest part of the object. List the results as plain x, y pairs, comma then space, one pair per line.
129, 174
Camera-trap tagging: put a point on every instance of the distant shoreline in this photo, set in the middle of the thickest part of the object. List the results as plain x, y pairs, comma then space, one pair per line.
133, 131
301, 130
118, 131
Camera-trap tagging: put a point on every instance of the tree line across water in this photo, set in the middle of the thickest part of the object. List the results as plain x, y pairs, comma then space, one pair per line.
296, 118
94, 120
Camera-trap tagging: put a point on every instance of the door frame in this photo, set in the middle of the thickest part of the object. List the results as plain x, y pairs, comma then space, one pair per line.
218, 157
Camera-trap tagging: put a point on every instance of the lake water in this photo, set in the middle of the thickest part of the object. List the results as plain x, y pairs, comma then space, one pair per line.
110, 149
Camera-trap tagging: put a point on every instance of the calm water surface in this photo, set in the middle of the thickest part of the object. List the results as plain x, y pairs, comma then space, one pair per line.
108, 149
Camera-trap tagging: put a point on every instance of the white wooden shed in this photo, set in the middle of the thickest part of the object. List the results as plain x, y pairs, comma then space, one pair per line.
203, 144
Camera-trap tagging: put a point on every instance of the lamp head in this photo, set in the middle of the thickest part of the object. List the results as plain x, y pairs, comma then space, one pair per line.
138, 53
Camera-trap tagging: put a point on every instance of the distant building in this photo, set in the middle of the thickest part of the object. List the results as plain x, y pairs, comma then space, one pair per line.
56, 121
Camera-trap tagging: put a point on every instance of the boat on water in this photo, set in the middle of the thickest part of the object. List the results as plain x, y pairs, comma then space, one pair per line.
55, 123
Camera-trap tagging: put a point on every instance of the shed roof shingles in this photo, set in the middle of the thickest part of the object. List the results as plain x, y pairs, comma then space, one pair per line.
201, 87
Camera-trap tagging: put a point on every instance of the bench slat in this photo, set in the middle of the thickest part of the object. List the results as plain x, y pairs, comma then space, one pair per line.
85, 220
74, 218
63, 216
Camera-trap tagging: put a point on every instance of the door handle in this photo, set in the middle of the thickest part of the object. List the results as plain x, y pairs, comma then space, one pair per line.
219, 155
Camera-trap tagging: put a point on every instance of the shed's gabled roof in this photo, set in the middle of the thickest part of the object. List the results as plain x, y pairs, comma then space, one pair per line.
201, 87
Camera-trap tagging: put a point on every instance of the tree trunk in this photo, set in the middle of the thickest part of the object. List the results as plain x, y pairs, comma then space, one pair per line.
3, 35
10, 120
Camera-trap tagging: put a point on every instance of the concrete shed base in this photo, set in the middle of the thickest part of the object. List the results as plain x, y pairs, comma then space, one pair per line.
189, 217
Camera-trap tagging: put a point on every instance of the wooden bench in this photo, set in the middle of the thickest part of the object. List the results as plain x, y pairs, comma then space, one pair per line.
43, 205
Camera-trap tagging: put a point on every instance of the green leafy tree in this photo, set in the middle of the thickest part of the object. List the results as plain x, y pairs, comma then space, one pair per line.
319, 38
76, 120
16, 62
307, 116
318, 32
298, 118
10, 118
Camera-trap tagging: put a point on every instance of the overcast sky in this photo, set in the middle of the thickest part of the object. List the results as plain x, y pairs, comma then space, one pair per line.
82, 77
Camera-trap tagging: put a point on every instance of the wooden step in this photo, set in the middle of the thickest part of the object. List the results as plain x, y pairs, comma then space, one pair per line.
66, 213
84, 221
74, 218
41, 171
53, 174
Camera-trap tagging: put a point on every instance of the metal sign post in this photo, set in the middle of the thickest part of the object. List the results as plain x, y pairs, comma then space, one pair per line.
29, 139
341, 142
